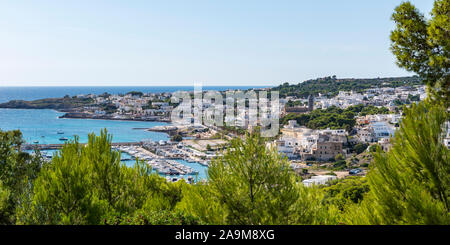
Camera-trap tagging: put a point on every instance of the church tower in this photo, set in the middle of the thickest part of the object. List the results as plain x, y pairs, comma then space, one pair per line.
310, 102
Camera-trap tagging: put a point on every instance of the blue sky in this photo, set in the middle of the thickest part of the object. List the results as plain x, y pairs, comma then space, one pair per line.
161, 43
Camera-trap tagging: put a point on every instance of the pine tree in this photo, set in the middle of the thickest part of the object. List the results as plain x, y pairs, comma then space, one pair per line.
410, 184
423, 46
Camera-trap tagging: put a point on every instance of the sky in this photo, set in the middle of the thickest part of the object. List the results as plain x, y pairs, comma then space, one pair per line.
215, 42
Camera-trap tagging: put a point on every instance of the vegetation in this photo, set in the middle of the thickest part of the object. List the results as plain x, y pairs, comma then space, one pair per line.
331, 85
17, 169
333, 117
135, 93
360, 148
89, 185
410, 183
423, 46
176, 138
249, 184
346, 191
52, 103
373, 110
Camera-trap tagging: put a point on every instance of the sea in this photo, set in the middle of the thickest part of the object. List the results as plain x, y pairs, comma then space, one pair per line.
34, 93
45, 126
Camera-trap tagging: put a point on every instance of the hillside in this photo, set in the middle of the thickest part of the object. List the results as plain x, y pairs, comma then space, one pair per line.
52, 103
332, 85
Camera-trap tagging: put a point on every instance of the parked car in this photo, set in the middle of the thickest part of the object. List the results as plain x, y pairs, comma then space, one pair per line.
355, 171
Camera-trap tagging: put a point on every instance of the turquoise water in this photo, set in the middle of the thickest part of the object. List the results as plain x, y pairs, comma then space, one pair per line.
37, 123
196, 166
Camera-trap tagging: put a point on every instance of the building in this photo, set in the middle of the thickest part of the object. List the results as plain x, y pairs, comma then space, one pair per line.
324, 149
311, 144
300, 109
319, 180
366, 134
382, 130
310, 102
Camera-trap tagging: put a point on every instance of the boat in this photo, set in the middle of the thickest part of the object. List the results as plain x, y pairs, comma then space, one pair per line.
63, 139
60, 132
36, 142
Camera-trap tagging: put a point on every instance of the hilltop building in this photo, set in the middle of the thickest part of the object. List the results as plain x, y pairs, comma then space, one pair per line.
300, 109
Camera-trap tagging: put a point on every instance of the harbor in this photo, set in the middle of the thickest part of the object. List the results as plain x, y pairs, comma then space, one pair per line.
167, 158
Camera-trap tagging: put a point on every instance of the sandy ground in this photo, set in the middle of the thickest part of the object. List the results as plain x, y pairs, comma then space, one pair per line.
339, 174
201, 144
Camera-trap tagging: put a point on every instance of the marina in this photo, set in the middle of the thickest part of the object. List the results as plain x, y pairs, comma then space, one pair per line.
162, 164
44, 130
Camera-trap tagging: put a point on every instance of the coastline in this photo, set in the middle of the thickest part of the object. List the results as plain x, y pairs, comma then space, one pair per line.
73, 115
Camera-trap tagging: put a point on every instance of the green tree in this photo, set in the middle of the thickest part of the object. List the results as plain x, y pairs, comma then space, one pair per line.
17, 170
63, 192
87, 184
410, 184
360, 148
4, 198
344, 191
255, 185
200, 201
176, 138
339, 157
423, 46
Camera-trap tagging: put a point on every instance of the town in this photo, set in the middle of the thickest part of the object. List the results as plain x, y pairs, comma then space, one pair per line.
325, 136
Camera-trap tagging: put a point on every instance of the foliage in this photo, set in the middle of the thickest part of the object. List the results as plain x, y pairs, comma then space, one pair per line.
84, 184
153, 217
410, 183
51, 103
200, 202
4, 204
360, 148
176, 138
255, 184
339, 157
135, 93
373, 110
17, 169
423, 46
332, 117
331, 85
344, 191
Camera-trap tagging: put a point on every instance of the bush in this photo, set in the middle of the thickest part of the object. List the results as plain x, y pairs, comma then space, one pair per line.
360, 148
176, 138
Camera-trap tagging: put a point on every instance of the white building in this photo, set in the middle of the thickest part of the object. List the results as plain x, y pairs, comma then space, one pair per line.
319, 180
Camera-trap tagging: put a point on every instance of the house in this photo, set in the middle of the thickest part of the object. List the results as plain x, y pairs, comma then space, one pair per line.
319, 180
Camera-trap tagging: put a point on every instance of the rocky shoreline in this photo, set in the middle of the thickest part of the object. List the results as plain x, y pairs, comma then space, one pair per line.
81, 115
